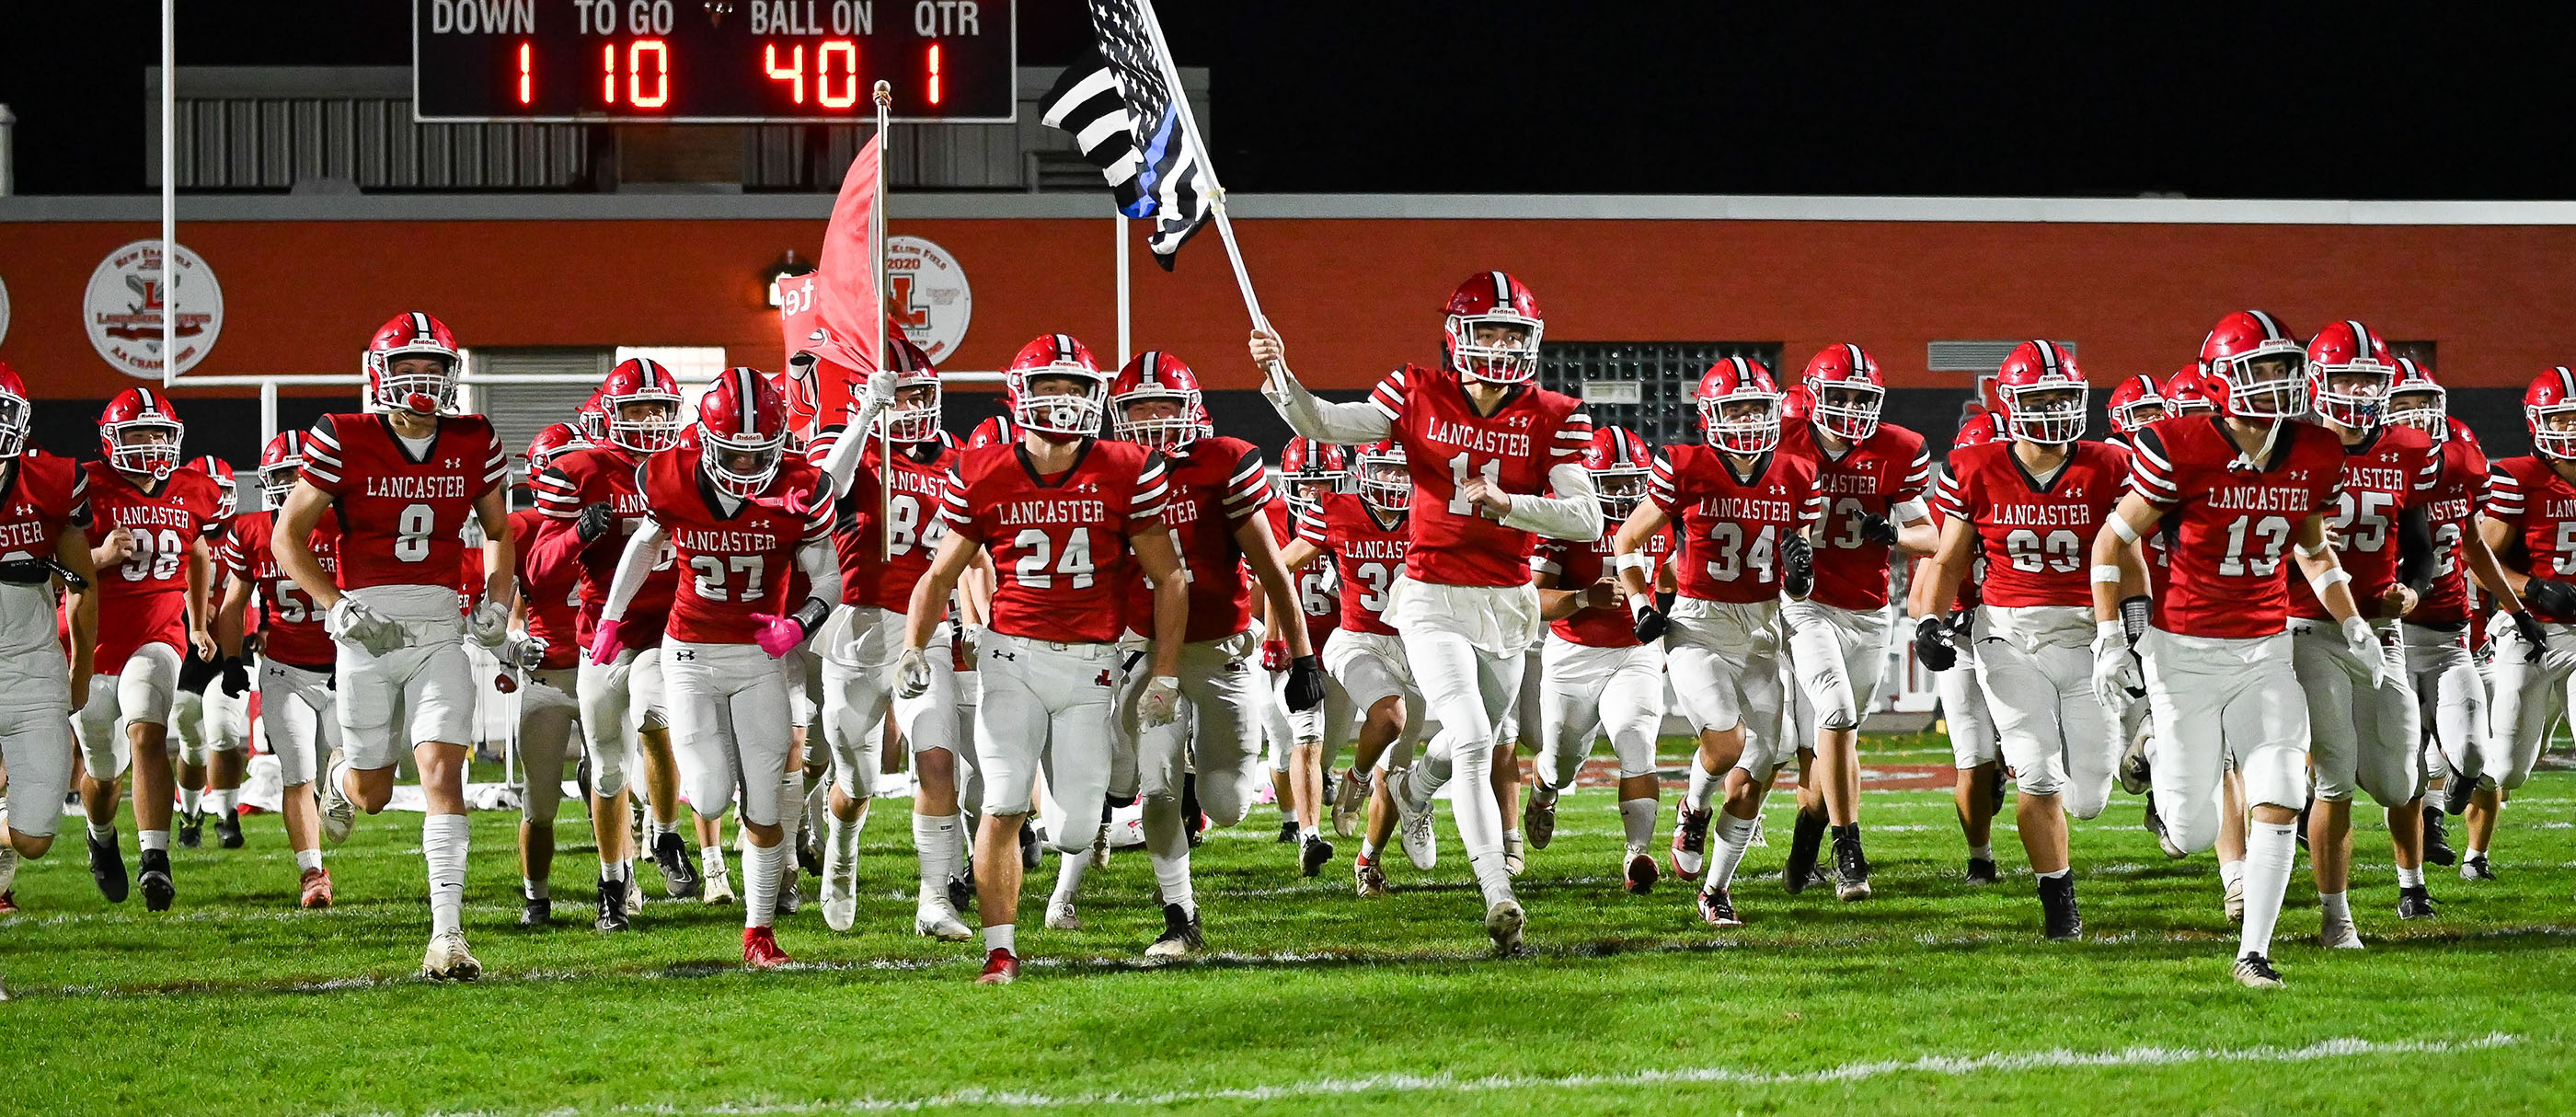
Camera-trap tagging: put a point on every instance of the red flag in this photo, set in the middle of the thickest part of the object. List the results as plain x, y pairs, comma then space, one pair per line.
848, 309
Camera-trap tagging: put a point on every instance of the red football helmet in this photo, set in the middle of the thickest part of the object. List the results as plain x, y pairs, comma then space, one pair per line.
2417, 400
639, 383
742, 431
1152, 376
139, 433
2135, 403
1619, 461
554, 441
918, 420
1384, 480
2461, 431
2550, 399
1493, 300
17, 416
1982, 428
2349, 373
591, 419
2190, 391
1848, 390
2262, 364
222, 472
1306, 464
1739, 406
281, 465
1062, 414
2044, 393
412, 334
1798, 404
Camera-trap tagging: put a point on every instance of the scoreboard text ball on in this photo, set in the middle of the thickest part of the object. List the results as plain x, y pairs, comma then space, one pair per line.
727, 61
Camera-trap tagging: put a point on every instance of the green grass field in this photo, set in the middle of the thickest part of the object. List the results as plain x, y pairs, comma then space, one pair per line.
1934, 995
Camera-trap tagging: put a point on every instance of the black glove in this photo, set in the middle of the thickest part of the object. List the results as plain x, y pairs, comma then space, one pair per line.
1797, 565
236, 674
594, 521
1651, 622
1935, 645
26, 572
1877, 529
2534, 638
2133, 618
1305, 683
2558, 599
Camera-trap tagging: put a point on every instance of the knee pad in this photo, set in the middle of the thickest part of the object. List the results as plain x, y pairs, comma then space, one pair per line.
2045, 777
608, 770
2275, 775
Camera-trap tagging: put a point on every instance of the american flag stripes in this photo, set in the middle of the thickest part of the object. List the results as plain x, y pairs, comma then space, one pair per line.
1128, 119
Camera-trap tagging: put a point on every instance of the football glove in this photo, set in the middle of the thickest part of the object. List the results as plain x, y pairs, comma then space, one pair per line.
1935, 645
352, 622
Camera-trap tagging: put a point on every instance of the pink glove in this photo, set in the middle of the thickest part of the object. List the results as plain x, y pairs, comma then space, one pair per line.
603, 642
778, 635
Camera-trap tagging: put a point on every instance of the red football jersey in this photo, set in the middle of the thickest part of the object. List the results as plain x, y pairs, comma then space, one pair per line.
403, 516
602, 475
1971, 585
2391, 470
1731, 529
144, 600
1447, 442
739, 564
2453, 509
912, 507
292, 632
997, 430
1318, 595
1217, 483
1059, 541
1578, 565
1867, 479
2528, 495
2034, 538
39, 497
1368, 553
554, 602
2232, 525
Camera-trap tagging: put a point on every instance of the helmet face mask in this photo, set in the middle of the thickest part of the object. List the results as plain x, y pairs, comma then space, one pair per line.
1385, 481
1740, 409
1060, 401
422, 384
2420, 406
915, 414
1849, 410
1309, 471
2351, 395
146, 447
1493, 330
1162, 420
742, 433
2266, 384
2051, 413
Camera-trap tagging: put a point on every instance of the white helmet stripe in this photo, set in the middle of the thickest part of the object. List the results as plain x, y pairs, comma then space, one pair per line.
2360, 341
1063, 347
2271, 329
2566, 381
1502, 290
2047, 357
1857, 359
420, 324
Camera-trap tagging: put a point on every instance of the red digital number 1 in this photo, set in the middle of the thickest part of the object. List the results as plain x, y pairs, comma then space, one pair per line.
523, 74
934, 73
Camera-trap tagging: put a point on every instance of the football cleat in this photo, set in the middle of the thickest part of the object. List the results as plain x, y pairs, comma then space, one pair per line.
536, 913
809, 851
339, 814
9, 902
192, 829
1504, 921
8, 859
2437, 838
1001, 967
2338, 933
1029, 846
2059, 919
2235, 902
448, 960
1062, 917
316, 888
1311, 859
840, 890
1690, 843
2155, 824
612, 906
1806, 838
1180, 935
1367, 878
1413, 820
1981, 870
1100, 850
1351, 803
2135, 775
634, 893
961, 890
1513, 859
1289, 835
679, 870
2456, 790
2415, 903
716, 887
158, 888
1717, 908
760, 949
788, 900
107, 868
2474, 867
936, 922
1851, 867
1641, 873
1994, 790
2255, 971
228, 831
1538, 816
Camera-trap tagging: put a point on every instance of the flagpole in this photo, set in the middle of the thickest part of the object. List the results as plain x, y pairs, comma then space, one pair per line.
1118, 221
885, 342
1207, 165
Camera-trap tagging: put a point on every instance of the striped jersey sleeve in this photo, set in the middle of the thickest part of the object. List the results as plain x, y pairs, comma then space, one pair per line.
557, 495
1573, 437
1951, 496
818, 522
323, 456
1310, 525
2150, 474
1388, 397
496, 462
229, 553
1811, 510
2428, 475
1153, 488
1548, 558
1918, 476
1247, 490
2504, 493
953, 508
1661, 486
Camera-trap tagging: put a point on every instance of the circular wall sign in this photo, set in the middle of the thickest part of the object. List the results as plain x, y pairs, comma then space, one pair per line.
124, 304
926, 291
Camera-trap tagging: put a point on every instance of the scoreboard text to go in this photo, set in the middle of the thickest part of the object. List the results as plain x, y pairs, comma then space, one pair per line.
702, 61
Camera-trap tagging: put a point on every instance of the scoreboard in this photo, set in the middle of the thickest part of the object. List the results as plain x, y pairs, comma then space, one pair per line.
713, 61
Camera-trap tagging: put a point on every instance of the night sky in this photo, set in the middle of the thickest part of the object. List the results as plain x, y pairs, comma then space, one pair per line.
2449, 101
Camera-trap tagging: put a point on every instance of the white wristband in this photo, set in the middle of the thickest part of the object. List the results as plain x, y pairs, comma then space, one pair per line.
2111, 630
2323, 582
2120, 527
1638, 561
2106, 573
2306, 551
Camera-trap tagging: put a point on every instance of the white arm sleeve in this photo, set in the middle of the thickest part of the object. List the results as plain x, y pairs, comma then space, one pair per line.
632, 568
1573, 513
847, 446
1349, 424
822, 571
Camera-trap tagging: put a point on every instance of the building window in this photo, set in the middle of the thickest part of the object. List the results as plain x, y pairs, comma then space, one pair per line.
1647, 386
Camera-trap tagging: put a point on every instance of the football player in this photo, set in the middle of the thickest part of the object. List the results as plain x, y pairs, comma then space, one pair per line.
1873, 476
402, 483
2028, 509
739, 512
1494, 443
1308, 472
1364, 534
1597, 675
41, 517
153, 516
1976, 755
2241, 490
1747, 517
591, 493
2527, 498
209, 721
539, 660
1069, 520
295, 665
